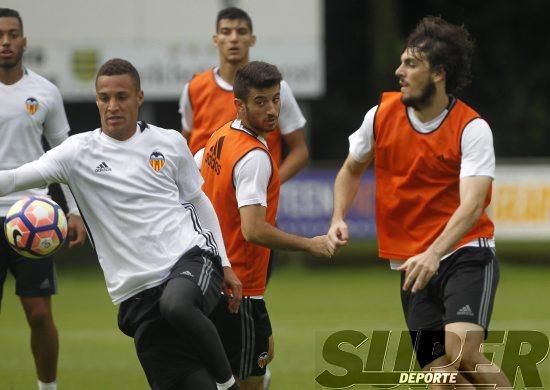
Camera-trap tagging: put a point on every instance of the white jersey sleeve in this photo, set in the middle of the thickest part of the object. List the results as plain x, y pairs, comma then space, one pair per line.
56, 126
251, 178
290, 117
21, 178
207, 215
56, 130
198, 158
185, 109
55, 165
362, 140
478, 153
188, 179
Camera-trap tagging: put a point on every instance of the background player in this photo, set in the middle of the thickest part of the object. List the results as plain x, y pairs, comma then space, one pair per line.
434, 166
31, 107
242, 180
207, 100
155, 232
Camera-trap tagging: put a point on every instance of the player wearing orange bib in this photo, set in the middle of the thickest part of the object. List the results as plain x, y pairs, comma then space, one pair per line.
242, 180
236, 142
416, 207
206, 102
434, 166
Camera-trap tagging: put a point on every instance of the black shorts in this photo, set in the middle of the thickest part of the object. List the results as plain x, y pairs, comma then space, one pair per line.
463, 290
245, 335
33, 277
165, 355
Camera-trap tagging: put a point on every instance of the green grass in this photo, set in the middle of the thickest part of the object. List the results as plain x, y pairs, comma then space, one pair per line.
93, 353
304, 305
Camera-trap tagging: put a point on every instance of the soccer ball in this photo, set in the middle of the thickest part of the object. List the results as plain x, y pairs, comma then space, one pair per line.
35, 227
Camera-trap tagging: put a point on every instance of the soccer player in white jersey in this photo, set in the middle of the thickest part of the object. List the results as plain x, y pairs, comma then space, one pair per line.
434, 166
31, 107
155, 233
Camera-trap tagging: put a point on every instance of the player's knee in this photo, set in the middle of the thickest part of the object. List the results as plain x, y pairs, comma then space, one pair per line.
454, 358
170, 308
176, 311
463, 352
470, 359
453, 349
39, 317
463, 358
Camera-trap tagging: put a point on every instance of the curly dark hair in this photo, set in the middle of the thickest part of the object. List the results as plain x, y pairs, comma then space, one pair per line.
445, 46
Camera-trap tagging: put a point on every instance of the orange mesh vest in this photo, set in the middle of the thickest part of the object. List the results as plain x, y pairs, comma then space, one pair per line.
417, 179
212, 108
223, 151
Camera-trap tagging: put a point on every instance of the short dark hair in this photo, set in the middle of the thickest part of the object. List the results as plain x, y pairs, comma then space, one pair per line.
255, 74
446, 46
11, 13
233, 13
117, 67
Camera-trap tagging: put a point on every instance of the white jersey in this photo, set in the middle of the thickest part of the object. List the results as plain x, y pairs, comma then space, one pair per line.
30, 108
290, 116
133, 197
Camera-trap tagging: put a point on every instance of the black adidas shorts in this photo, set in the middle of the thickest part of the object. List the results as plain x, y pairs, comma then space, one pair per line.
33, 277
463, 290
165, 355
245, 335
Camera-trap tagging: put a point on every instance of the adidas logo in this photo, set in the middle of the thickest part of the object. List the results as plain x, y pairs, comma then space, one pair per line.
213, 155
103, 167
438, 348
187, 273
45, 284
465, 311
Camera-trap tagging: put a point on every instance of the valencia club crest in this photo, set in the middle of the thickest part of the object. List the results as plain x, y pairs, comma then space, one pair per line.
31, 104
157, 161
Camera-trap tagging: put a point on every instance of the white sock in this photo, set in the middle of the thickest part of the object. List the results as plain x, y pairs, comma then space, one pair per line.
226, 385
267, 378
47, 386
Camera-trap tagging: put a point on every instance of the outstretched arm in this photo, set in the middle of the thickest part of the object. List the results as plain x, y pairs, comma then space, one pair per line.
27, 176
257, 230
23, 178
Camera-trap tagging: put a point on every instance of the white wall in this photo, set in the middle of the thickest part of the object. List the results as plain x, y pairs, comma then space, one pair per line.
168, 40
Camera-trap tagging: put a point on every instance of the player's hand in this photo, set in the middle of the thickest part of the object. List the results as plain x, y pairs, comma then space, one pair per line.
321, 246
338, 233
77, 231
233, 289
419, 270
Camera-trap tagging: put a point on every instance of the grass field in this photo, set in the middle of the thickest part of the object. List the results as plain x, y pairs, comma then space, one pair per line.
304, 304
